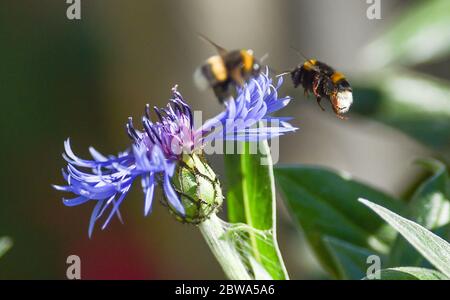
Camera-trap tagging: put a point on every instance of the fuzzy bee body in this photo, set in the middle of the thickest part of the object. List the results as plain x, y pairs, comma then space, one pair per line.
324, 82
220, 72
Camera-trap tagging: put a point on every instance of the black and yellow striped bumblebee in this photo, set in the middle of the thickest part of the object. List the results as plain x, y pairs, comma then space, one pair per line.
323, 81
228, 68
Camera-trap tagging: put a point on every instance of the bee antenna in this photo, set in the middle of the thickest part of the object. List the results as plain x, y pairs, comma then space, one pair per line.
272, 71
222, 51
282, 74
264, 57
299, 53
303, 56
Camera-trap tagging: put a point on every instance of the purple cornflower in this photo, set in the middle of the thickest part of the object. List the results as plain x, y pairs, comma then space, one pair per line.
156, 150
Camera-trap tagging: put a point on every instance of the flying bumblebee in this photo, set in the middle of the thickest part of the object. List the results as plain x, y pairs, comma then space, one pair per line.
323, 82
228, 68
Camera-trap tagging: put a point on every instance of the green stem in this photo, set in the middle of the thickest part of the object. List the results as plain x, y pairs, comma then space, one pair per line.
227, 256
246, 201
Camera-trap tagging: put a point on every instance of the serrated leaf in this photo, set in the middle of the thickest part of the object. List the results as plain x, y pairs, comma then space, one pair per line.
324, 203
251, 200
435, 249
410, 273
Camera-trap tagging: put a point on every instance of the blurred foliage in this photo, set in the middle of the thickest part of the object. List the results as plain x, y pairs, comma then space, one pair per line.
410, 102
419, 36
415, 103
48, 78
5, 244
251, 200
324, 203
342, 234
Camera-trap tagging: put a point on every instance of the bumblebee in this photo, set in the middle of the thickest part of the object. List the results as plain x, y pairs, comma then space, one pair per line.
228, 68
324, 82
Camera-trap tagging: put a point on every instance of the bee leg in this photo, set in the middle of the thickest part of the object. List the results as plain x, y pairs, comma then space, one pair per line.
316, 84
318, 102
341, 117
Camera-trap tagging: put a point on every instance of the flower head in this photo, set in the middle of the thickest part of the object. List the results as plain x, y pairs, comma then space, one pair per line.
171, 146
255, 103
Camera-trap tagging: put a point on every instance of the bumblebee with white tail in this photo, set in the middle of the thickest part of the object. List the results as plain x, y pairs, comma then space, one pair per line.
323, 81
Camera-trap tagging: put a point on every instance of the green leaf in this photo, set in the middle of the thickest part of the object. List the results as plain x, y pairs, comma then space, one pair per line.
416, 104
429, 207
431, 246
5, 245
421, 35
251, 200
350, 259
324, 203
410, 273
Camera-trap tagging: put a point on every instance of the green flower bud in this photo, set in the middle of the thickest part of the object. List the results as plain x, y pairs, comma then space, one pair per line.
198, 188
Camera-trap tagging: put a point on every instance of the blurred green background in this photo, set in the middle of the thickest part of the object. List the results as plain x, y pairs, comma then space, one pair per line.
81, 79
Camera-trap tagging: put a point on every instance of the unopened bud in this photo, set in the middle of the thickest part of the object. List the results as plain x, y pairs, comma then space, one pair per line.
198, 188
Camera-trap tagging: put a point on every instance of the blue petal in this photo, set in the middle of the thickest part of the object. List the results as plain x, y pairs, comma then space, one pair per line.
254, 102
149, 190
94, 216
116, 205
75, 201
61, 188
97, 155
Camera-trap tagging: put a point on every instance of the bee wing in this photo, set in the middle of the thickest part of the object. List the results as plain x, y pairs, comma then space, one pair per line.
200, 79
222, 51
264, 57
299, 53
